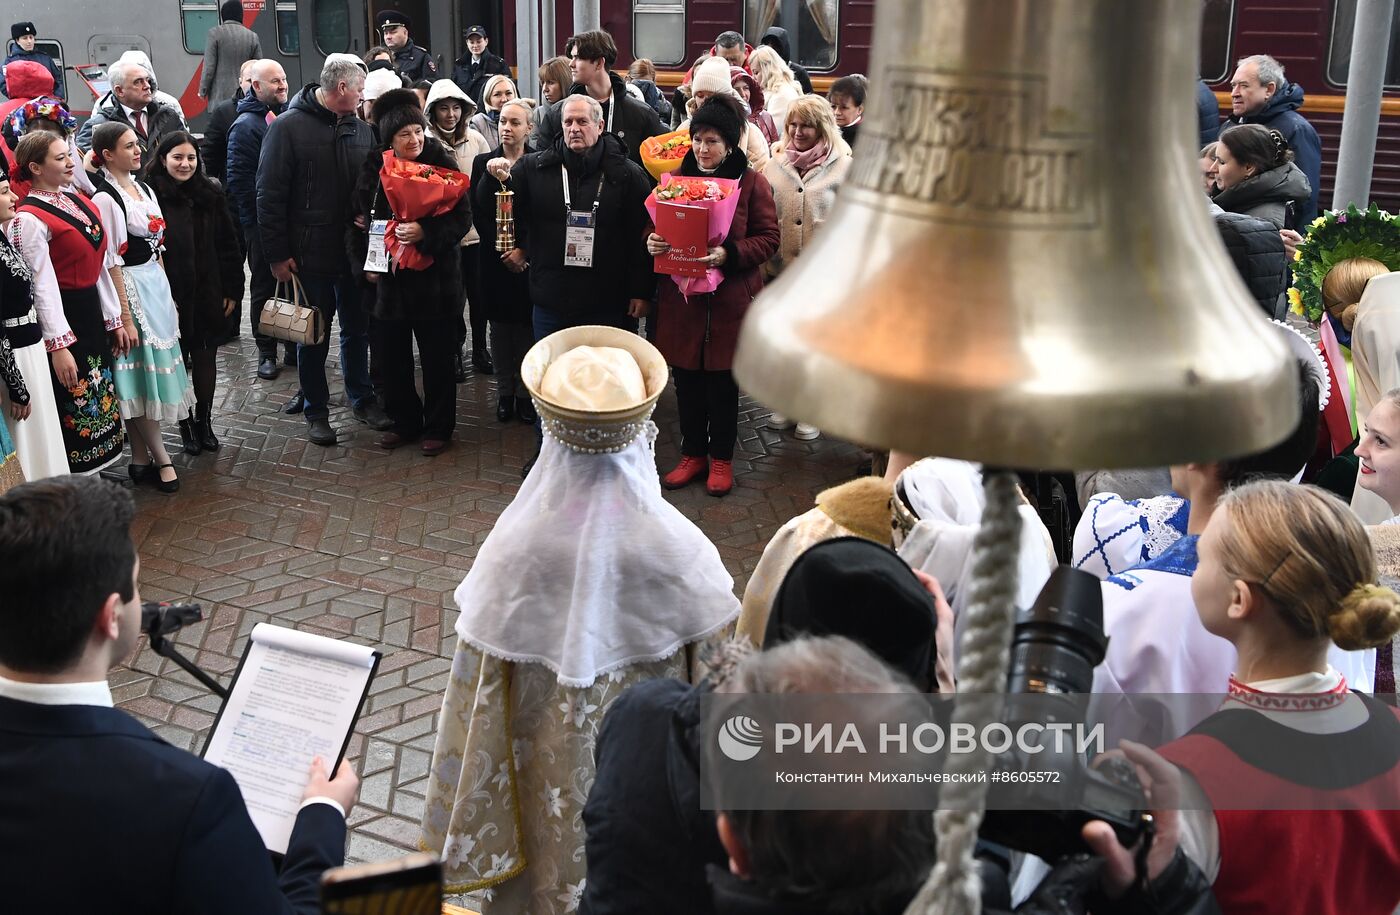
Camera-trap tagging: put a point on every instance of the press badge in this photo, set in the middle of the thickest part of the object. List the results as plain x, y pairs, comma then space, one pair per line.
377, 258
578, 238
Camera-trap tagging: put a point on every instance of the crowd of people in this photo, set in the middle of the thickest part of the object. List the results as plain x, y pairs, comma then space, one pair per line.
596, 618
291, 178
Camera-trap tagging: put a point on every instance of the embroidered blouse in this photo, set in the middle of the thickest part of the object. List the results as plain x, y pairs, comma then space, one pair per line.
129, 218
31, 236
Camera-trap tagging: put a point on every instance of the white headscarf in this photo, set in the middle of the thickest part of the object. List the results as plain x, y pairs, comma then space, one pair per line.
947, 496
590, 569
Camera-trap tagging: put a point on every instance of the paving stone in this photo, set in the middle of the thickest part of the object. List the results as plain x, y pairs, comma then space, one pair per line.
350, 541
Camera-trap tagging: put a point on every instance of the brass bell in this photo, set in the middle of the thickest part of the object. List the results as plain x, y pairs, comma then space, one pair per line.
1020, 268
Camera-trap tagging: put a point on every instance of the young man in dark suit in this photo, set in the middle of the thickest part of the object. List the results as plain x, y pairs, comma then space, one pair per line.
96, 806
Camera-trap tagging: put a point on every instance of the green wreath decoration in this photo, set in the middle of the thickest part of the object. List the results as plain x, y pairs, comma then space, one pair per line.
1335, 236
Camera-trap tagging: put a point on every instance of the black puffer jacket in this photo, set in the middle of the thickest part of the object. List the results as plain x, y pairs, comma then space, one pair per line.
436, 291
310, 161
621, 269
1257, 250
632, 123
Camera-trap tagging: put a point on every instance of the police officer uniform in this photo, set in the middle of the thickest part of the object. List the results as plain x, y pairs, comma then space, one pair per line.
411, 60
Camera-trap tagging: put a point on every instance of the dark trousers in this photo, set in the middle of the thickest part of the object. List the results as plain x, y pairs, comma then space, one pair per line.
335, 296
509, 344
474, 309
261, 287
547, 320
435, 415
709, 408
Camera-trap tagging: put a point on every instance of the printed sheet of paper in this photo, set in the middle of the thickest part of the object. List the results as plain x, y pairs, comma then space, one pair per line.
296, 696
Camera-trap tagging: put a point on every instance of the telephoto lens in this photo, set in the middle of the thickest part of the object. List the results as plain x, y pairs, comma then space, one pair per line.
1059, 640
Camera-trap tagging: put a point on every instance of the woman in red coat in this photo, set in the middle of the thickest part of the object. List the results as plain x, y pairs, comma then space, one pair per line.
698, 335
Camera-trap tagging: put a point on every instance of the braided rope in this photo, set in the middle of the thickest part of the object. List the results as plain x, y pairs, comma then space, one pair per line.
955, 886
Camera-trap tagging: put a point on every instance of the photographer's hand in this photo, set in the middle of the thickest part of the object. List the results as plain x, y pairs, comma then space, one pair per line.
1162, 782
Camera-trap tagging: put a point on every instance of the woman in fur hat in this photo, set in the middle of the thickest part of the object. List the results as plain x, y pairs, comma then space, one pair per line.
422, 305
698, 335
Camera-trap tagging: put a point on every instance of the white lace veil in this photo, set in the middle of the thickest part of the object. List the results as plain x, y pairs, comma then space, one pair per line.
590, 569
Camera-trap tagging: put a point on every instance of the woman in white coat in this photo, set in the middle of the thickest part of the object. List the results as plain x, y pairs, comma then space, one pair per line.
809, 162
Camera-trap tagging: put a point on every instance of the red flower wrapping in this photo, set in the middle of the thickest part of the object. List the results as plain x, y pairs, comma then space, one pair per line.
416, 191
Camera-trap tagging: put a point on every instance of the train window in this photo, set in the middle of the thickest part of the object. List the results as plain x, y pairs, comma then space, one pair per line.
1217, 23
332, 26
658, 31
288, 28
197, 17
812, 28
1339, 51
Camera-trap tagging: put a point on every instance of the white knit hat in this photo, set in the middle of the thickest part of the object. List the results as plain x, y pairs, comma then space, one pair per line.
712, 76
380, 82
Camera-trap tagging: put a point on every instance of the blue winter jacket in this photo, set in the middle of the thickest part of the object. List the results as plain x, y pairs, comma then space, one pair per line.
245, 140
38, 57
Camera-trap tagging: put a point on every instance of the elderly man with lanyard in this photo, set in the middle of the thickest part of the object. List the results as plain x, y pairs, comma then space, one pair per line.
409, 59
579, 226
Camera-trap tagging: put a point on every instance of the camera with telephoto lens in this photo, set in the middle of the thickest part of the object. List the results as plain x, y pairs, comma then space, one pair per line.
1056, 645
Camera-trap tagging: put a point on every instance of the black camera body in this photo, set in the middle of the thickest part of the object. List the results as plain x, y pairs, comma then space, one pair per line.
1056, 645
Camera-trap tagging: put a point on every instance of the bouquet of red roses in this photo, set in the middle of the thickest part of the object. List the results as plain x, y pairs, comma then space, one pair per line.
720, 199
416, 191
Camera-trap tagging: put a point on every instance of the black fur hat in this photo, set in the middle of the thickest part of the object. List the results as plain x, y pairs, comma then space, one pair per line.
395, 110
724, 114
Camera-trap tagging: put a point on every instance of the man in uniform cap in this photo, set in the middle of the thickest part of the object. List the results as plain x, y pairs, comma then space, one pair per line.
23, 35
471, 71
410, 60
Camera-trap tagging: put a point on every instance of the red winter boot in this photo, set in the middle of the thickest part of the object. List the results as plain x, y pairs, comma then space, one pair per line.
721, 477
687, 471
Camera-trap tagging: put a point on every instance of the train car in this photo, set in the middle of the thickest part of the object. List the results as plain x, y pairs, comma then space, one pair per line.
1312, 38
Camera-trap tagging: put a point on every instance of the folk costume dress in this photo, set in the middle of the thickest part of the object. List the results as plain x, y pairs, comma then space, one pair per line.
1296, 778
11, 473
589, 583
37, 441
62, 239
150, 379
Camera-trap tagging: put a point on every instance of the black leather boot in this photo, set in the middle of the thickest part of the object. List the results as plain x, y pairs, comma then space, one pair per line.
205, 428
189, 436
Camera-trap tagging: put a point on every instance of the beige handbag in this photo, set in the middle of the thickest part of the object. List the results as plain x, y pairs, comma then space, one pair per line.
292, 319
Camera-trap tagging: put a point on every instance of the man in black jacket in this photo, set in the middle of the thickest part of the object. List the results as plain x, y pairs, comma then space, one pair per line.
311, 158
591, 57
474, 68
175, 832
777, 39
409, 59
589, 266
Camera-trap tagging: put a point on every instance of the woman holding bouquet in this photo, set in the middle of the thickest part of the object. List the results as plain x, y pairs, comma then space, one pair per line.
421, 301
152, 387
698, 335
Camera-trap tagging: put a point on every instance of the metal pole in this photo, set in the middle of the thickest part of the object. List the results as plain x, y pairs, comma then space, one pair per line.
527, 46
1370, 41
587, 16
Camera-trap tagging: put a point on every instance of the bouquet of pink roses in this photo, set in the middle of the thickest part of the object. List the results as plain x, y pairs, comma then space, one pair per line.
719, 197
